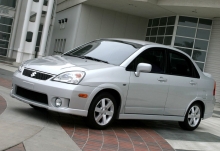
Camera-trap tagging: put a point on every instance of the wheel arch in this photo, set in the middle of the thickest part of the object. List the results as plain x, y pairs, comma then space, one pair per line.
201, 103
115, 91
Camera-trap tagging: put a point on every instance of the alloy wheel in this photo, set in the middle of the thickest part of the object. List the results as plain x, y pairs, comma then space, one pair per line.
104, 111
194, 116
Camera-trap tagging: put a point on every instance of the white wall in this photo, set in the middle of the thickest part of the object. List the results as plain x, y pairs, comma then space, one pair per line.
87, 23
212, 60
19, 28
97, 23
69, 32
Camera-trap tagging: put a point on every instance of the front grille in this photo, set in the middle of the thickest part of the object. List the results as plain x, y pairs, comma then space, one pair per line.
31, 95
36, 74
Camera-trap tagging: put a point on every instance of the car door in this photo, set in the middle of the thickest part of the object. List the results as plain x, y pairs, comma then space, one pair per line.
183, 79
147, 93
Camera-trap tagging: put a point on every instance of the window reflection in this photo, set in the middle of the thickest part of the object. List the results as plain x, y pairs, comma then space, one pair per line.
205, 23
203, 34
200, 65
201, 44
184, 31
199, 55
188, 21
184, 42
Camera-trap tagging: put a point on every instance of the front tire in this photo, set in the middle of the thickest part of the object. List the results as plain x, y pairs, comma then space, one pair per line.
102, 111
192, 117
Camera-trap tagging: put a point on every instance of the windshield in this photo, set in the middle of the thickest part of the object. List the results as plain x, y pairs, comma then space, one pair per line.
112, 52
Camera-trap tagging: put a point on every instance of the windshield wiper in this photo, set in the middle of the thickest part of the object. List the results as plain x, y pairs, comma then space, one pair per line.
95, 59
87, 57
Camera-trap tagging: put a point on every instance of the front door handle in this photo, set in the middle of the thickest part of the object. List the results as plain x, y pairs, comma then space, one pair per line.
161, 79
192, 82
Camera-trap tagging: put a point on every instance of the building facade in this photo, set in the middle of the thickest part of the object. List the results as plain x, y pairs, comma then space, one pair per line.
192, 26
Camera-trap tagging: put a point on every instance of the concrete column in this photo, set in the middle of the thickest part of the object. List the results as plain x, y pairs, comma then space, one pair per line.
13, 34
46, 28
24, 32
36, 29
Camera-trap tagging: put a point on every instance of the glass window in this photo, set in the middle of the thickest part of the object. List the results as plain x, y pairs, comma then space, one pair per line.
161, 30
152, 39
148, 32
205, 23
3, 44
163, 21
156, 22
171, 20
184, 42
179, 65
187, 51
167, 40
29, 36
9, 3
199, 55
160, 40
154, 56
38, 38
154, 31
5, 20
6, 29
147, 39
188, 21
201, 44
203, 34
3, 52
4, 36
102, 49
184, 31
169, 30
150, 23
41, 27
200, 65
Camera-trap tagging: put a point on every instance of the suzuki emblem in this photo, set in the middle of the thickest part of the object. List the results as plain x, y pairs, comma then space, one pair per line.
33, 74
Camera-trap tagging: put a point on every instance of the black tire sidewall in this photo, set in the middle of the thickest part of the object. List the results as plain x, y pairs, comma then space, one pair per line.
185, 125
91, 119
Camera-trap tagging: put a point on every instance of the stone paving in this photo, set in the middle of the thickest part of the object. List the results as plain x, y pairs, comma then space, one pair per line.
19, 147
124, 135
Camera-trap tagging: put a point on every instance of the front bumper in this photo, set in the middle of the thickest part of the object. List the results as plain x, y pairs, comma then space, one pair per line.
72, 103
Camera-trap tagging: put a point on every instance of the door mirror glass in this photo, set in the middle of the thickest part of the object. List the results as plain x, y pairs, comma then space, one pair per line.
143, 67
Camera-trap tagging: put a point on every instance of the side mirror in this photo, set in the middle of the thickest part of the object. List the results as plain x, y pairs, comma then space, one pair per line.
143, 67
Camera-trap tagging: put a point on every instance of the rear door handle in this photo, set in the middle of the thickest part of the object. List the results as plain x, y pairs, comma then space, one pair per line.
161, 79
192, 82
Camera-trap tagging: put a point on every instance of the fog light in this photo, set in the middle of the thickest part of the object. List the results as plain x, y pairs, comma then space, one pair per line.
58, 102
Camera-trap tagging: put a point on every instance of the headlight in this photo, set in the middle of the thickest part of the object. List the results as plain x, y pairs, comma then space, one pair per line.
73, 77
20, 67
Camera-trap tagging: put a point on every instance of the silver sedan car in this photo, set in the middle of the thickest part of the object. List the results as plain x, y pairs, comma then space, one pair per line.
109, 79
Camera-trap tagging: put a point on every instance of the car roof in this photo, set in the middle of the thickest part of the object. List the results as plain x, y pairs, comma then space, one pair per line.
140, 42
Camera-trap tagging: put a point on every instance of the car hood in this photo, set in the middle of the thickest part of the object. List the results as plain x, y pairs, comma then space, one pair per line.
60, 64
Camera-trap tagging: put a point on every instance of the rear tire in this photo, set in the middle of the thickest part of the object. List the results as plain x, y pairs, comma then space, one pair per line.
102, 111
192, 117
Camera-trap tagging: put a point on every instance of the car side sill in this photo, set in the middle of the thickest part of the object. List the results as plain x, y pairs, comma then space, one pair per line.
151, 117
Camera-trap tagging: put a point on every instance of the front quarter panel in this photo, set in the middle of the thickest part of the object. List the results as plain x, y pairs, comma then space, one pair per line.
116, 78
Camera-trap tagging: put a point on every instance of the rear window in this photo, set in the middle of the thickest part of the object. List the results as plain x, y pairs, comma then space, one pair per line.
113, 52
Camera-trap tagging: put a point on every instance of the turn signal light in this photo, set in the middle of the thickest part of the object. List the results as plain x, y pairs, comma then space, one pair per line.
83, 95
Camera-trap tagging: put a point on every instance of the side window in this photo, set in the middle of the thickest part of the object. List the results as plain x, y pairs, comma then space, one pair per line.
155, 57
179, 65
